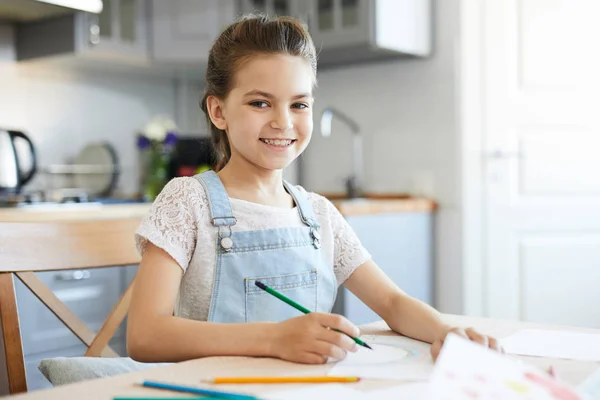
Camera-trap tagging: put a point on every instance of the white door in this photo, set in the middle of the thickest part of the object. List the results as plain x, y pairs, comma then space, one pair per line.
541, 124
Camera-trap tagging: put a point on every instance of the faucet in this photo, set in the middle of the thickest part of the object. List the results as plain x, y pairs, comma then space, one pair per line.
355, 181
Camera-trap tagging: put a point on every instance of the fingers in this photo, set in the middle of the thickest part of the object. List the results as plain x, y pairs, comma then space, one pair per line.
436, 347
494, 344
310, 358
477, 337
484, 340
327, 349
338, 339
335, 321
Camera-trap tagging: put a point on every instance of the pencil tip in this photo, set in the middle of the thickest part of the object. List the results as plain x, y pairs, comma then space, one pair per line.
366, 345
260, 285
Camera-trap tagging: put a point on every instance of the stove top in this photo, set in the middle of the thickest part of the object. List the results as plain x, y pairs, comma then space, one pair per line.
41, 198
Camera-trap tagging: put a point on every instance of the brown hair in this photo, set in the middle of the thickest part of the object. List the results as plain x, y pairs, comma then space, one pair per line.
250, 35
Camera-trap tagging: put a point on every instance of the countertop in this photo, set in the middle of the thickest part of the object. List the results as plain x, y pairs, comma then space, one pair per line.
371, 204
74, 212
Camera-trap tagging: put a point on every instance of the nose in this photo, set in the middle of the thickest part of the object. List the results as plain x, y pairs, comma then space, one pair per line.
282, 120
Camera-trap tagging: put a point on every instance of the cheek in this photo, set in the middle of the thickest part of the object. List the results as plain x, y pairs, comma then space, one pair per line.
305, 127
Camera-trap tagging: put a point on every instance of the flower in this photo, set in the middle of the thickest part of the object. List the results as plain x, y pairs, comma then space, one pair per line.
158, 127
156, 144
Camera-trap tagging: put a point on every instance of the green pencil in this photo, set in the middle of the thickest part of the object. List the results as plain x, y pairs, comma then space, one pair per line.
298, 307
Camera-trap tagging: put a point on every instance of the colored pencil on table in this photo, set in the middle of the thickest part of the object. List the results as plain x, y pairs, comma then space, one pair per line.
285, 379
196, 390
300, 308
165, 398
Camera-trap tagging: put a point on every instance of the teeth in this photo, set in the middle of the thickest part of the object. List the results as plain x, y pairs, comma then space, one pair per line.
277, 142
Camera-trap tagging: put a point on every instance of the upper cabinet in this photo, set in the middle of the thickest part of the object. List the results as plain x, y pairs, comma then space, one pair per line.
293, 8
178, 34
121, 28
119, 33
184, 30
350, 31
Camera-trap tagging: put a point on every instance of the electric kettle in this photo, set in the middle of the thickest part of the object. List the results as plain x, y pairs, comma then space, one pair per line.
12, 178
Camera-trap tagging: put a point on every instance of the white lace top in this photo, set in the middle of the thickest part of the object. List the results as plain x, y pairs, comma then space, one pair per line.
179, 223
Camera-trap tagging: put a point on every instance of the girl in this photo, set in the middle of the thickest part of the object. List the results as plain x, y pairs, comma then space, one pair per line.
208, 238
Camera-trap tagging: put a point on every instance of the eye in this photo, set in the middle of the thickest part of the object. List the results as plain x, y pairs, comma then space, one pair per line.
300, 106
259, 104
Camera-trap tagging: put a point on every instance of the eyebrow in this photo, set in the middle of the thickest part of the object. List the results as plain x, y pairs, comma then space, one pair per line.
270, 96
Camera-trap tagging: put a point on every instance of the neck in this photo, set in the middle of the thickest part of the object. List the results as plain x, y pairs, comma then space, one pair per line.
249, 182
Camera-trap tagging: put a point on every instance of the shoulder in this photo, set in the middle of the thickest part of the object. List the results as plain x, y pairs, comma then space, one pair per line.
181, 195
321, 205
183, 189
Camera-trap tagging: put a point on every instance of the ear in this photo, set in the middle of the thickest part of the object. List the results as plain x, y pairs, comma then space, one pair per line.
215, 111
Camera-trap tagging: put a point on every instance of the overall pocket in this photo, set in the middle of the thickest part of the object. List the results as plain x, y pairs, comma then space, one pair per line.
262, 306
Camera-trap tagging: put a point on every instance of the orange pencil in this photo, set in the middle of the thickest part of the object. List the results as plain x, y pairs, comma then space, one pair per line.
286, 379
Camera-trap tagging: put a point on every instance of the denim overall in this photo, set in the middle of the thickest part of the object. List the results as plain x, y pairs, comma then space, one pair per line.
287, 259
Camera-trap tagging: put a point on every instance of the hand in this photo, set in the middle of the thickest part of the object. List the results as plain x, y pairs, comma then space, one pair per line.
468, 333
309, 339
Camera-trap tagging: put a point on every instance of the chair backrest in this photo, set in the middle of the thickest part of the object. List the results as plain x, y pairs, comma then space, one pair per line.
27, 248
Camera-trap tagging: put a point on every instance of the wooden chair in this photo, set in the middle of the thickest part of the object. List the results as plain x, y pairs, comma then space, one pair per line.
27, 248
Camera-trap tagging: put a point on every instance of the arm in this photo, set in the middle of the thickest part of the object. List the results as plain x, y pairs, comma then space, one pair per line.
405, 314
155, 335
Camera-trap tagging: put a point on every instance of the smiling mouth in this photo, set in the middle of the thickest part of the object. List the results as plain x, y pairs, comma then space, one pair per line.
278, 142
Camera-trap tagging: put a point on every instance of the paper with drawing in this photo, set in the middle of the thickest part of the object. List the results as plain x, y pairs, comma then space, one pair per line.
466, 370
392, 357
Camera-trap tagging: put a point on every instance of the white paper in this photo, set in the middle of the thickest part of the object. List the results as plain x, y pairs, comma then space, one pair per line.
555, 344
392, 357
591, 385
408, 391
333, 391
466, 370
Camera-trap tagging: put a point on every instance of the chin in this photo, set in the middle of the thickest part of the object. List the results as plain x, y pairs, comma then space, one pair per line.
275, 165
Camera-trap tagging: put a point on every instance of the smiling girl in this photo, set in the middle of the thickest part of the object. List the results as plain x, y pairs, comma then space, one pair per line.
210, 237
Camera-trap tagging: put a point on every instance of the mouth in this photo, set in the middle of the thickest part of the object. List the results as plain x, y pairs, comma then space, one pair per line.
281, 143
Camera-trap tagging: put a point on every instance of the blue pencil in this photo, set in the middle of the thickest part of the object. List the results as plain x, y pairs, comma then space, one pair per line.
204, 392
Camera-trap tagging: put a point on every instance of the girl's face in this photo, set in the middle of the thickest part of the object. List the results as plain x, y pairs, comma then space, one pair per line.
268, 113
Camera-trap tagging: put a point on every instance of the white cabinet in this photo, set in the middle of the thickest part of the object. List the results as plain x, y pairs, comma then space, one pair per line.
183, 31
349, 31
119, 33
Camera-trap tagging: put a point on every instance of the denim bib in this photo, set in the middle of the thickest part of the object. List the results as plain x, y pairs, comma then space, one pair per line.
287, 259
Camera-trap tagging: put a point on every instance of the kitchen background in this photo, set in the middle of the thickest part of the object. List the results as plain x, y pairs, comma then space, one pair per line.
484, 107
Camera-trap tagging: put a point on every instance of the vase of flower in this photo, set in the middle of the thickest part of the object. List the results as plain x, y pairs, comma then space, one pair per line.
156, 145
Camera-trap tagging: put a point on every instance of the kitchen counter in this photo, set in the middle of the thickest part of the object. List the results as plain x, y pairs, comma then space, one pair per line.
366, 205
371, 204
74, 212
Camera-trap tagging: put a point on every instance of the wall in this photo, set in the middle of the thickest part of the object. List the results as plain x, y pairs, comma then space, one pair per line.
63, 109
408, 113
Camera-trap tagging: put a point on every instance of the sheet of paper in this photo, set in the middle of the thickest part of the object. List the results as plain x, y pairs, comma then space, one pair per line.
591, 385
317, 391
556, 344
392, 357
408, 391
466, 370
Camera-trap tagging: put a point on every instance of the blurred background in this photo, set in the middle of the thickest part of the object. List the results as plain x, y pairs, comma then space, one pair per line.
488, 109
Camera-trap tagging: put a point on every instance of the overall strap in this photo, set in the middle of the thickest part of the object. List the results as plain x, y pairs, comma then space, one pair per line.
218, 200
304, 205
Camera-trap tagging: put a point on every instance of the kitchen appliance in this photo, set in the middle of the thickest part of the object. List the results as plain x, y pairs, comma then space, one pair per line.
12, 174
192, 155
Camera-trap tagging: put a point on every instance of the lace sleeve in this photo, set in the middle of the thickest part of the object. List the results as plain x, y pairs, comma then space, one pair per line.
172, 221
348, 251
